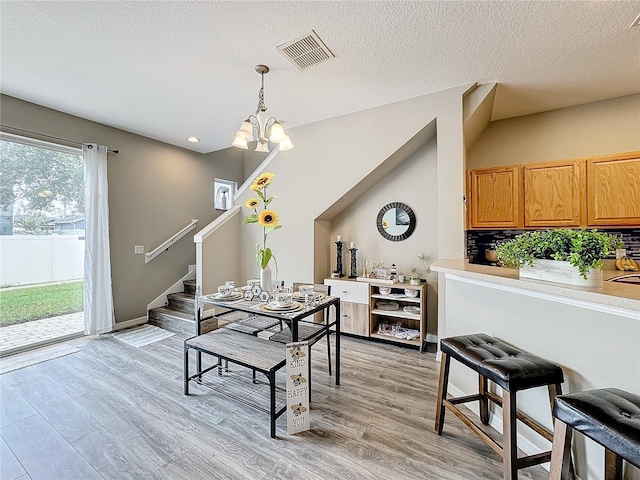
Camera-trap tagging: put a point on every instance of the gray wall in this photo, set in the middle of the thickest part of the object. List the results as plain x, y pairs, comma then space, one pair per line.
155, 189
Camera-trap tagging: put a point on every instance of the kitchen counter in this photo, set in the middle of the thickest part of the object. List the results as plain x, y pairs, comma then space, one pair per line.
614, 295
592, 333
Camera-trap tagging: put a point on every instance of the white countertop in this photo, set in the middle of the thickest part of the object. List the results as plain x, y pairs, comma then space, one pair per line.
617, 295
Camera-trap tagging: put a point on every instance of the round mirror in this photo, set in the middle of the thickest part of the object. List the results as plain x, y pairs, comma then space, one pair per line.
396, 221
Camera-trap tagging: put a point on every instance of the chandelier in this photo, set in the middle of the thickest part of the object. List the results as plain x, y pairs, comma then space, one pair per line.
260, 127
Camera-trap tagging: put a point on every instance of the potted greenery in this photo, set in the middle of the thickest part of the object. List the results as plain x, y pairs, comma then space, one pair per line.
554, 255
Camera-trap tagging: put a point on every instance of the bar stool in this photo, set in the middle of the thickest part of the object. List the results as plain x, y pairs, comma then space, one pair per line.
511, 369
608, 416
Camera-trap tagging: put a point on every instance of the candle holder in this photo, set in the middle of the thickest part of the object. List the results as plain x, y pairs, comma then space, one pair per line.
339, 266
354, 270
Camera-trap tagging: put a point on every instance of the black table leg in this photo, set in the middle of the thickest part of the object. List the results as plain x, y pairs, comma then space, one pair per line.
272, 408
337, 307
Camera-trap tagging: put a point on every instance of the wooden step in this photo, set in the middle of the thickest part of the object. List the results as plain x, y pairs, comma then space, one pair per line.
182, 301
179, 321
190, 286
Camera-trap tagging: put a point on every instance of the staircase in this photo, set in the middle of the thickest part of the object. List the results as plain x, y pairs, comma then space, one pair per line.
179, 314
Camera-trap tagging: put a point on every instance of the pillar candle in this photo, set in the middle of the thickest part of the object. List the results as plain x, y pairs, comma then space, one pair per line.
339, 238
352, 245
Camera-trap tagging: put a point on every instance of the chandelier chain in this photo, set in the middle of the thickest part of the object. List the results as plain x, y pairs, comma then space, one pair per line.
261, 105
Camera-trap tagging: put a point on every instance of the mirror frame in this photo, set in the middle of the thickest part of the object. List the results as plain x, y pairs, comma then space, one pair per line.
412, 221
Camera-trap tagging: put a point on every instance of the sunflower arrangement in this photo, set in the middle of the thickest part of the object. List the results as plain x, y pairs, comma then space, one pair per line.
267, 218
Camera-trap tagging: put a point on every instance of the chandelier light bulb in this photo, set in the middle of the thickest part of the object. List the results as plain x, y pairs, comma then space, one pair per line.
286, 144
276, 134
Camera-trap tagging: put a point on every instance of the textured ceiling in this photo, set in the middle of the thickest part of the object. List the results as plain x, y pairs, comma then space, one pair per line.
168, 70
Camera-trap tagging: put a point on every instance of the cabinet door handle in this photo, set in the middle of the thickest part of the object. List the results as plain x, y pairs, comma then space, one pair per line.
344, 291
345, 315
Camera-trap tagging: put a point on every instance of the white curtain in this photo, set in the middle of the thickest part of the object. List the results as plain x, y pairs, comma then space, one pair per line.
98, 298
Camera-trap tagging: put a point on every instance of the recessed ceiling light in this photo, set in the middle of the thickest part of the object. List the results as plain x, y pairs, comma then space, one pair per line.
636, 22
193, 140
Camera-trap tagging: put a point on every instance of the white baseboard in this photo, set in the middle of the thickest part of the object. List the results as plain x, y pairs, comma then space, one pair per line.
134, 322
495, 421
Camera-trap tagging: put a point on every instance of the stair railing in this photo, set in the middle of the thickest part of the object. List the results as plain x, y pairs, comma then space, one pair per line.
167, 243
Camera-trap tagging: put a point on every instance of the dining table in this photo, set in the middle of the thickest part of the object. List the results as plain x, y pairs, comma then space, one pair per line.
256, 307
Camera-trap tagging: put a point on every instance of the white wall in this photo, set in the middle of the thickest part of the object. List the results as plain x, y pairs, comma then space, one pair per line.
414, 182
335, 156
218, 253
601, 128
28, 259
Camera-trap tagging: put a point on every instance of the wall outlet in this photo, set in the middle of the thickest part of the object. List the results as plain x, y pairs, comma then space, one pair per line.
138, 249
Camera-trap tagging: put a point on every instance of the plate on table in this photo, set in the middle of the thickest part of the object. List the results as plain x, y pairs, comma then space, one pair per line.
274, 307
233, 296
300, 297
390, 306
411, 309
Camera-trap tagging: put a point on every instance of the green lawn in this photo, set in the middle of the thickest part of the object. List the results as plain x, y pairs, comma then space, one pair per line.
18, 305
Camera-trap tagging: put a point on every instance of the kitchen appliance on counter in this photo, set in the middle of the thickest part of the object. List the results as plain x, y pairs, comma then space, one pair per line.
487, 255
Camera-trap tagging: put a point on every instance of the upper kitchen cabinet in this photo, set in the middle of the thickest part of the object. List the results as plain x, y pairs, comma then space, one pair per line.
554, 195
613, 190
494, 197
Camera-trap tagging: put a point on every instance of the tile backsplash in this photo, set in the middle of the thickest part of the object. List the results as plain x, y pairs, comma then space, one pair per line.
479, 240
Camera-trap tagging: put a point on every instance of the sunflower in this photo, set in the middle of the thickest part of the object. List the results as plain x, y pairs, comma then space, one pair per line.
264, 180
385, 224
268, 218
252, 202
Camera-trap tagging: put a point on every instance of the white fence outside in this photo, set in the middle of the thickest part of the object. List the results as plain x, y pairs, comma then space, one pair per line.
29, 259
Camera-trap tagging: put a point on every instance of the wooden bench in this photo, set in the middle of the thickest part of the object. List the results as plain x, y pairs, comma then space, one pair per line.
238, 348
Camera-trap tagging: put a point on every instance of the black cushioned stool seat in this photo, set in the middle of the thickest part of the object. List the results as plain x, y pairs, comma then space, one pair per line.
513, 370
608, 416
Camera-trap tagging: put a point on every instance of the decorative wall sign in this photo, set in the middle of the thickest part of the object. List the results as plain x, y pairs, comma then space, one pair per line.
297, 387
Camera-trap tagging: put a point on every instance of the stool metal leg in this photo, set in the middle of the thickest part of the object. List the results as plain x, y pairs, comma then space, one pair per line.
442, 392
561, 451
509, 435
612, 466
484, 401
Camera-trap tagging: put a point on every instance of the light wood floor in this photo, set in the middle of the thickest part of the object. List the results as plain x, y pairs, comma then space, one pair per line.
117, 412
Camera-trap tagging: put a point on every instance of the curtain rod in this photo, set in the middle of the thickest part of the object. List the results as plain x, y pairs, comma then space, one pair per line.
54, 137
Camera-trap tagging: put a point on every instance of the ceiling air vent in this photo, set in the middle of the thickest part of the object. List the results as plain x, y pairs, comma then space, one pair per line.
305, 51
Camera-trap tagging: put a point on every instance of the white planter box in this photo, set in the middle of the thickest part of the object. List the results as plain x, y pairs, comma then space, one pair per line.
561, 272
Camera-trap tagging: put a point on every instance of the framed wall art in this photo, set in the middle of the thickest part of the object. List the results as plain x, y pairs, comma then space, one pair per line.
223, 192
